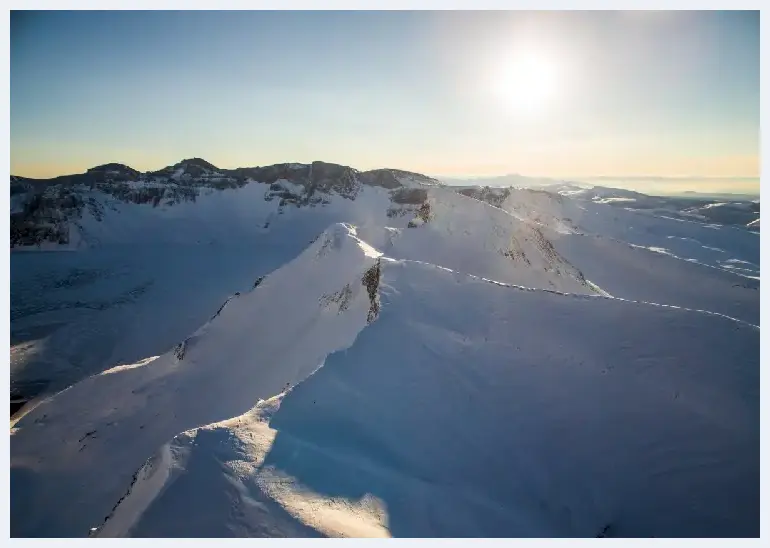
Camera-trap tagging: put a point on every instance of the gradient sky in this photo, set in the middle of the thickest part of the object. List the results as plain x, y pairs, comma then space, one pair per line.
645, 94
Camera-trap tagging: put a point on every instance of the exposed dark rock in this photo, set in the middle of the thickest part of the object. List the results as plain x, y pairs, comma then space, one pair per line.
424, 212
389, 178
380, 177
342, 298
492, 196
371, 281
179, 350
414, 196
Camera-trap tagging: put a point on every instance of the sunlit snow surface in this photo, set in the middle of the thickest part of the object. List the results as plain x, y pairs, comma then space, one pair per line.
606, 385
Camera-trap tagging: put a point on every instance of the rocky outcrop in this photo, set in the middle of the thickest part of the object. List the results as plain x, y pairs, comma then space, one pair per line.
43, 217
371, 281
423, 216
414, 196
341, 298
492, 196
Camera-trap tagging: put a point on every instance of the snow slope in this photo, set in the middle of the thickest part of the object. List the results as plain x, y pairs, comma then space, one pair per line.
637, 273
354, 394
149, 275
474, 237
709, 244
212, 375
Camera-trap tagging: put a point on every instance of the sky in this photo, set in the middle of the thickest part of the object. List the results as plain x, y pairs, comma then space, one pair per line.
456, 94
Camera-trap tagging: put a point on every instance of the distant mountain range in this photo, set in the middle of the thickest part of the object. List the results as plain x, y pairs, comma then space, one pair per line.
669, 186
49, 210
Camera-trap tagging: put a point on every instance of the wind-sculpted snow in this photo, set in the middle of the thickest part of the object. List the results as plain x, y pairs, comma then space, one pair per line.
462, 407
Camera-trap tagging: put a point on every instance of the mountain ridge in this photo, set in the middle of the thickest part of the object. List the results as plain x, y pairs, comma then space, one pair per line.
200, 163
51, 211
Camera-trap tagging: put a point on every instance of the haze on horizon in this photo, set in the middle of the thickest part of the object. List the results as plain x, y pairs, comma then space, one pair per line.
566, 95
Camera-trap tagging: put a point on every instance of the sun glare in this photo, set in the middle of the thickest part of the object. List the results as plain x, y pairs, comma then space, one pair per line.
527, 83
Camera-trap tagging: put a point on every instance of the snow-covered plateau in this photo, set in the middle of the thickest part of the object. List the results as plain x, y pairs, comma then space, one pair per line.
309, 350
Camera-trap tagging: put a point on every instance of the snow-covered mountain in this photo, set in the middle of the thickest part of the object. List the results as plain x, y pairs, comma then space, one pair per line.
69, 210
725, 209
311, 350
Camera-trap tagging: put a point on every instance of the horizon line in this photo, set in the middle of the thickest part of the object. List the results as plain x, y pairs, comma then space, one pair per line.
451, 177
612, 177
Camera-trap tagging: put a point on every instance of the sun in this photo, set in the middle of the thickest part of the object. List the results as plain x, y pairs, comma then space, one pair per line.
527, 83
